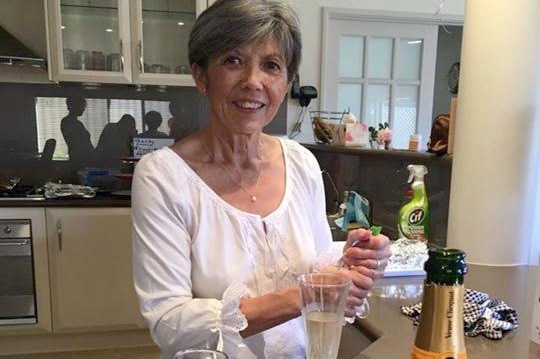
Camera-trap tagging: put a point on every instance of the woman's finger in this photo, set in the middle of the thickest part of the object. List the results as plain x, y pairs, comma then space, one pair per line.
360, 280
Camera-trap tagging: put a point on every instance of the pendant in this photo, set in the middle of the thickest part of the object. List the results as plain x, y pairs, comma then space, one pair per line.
253, 199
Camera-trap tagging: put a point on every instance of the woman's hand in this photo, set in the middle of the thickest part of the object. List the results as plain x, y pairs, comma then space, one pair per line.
359, 289
366, 254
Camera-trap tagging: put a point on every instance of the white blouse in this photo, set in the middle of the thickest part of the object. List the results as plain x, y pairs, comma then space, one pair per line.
195, 255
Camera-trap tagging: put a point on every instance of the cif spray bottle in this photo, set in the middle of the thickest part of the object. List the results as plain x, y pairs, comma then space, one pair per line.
414, 217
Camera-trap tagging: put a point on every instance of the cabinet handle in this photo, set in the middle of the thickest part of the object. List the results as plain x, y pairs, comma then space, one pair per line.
141, 63
59, 232
122, 55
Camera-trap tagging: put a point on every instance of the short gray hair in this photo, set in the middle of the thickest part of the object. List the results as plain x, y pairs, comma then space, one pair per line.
228, 24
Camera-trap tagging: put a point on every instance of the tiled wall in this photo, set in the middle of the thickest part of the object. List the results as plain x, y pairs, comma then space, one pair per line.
381, 176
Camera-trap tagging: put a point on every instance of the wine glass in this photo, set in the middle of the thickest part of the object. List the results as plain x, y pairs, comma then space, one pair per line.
200, 354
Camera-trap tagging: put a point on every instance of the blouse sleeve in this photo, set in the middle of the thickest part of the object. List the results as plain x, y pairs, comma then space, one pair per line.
162, 272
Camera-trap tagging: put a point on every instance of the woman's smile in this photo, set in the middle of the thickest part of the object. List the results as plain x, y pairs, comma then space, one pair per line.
250, 106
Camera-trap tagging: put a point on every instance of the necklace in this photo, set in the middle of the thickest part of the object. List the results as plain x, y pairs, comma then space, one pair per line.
252, 195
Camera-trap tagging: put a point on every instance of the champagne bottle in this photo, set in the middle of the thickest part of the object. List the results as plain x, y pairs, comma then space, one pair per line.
440, 332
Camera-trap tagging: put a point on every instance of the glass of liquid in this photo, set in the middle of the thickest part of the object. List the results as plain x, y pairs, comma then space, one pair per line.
200, 354
324, 296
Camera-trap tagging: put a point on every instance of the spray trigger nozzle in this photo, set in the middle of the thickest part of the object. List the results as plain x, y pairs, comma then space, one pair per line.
416, 172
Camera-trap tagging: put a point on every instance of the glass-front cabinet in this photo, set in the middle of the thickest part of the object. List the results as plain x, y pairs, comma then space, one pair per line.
161, 32
121, 41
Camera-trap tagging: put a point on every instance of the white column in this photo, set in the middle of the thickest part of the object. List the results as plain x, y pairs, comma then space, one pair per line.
496, 160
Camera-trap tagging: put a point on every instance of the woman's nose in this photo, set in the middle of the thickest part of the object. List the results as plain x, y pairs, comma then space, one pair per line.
253, 78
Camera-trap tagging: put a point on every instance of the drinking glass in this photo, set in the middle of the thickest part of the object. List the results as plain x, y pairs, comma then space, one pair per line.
200, 354
324, 296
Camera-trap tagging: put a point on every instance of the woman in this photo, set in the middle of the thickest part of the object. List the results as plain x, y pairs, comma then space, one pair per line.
227, 218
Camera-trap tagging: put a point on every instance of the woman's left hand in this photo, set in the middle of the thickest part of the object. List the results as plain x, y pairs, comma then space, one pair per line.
367, 254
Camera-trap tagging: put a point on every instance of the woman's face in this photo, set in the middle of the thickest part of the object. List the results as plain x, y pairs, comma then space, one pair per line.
245, 86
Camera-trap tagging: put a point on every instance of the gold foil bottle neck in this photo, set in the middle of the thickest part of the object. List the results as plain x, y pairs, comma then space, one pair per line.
440, 332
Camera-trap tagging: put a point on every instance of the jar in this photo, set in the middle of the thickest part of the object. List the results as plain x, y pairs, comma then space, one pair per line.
414, 142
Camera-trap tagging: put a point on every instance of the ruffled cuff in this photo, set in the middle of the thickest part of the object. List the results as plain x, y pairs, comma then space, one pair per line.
232, 320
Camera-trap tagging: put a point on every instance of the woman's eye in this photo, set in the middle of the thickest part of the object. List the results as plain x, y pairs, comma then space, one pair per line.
232, 60
274, 66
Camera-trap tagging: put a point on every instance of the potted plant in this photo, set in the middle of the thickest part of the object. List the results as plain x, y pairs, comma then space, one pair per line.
381, 137
372, 136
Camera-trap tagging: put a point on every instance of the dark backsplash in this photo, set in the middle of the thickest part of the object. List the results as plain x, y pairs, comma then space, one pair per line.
19, 129
381, 176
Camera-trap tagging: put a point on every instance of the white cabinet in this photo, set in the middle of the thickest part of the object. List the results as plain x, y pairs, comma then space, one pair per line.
90, 270
121, 41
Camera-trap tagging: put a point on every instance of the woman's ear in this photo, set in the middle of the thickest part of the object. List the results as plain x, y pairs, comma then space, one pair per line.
201, 81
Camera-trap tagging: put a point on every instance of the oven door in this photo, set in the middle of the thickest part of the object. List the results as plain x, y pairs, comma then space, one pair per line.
17, 289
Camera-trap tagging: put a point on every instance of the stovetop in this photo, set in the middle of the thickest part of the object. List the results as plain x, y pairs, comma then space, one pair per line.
19, 192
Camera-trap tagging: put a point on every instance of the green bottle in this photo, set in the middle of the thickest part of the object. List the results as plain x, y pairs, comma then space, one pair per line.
414, 217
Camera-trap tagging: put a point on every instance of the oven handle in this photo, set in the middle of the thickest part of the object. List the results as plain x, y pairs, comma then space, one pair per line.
59, 232
23, 242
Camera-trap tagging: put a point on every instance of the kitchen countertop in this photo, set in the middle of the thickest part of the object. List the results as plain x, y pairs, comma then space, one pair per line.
394, 333
98, 201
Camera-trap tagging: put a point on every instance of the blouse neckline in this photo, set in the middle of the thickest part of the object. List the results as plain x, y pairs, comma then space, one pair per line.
226, 204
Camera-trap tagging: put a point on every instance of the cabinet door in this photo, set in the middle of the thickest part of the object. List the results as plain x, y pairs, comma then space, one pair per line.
90, 266
89, 40
160, 39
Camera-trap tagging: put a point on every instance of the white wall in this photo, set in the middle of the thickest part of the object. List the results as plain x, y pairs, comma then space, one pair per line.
310, 13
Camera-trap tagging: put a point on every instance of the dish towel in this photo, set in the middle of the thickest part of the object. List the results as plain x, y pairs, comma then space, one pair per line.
481, 315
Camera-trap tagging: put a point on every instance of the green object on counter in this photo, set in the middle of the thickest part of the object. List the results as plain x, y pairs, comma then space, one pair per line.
375, 230
414, 216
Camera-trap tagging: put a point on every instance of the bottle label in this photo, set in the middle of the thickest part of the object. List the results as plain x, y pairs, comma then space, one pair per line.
418, 353
415, 224
441, 322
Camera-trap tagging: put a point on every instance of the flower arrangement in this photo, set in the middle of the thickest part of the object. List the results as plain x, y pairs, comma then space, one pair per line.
383, 136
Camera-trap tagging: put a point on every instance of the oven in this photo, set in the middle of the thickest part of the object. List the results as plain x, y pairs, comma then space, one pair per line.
17, 282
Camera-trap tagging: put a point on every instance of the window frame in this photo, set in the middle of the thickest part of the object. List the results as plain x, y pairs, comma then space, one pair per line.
426, 92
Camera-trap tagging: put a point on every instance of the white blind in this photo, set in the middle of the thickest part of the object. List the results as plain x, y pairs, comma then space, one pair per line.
51, 110
118, 108
163, 108
49, 114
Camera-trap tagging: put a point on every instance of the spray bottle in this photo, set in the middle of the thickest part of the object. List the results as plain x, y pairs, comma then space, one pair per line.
414, 217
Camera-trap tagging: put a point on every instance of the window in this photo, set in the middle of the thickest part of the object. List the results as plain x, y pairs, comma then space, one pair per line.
98, 113
385, 70
51, 110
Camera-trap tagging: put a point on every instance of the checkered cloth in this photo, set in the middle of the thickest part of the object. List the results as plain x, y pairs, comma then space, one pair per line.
481, 315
